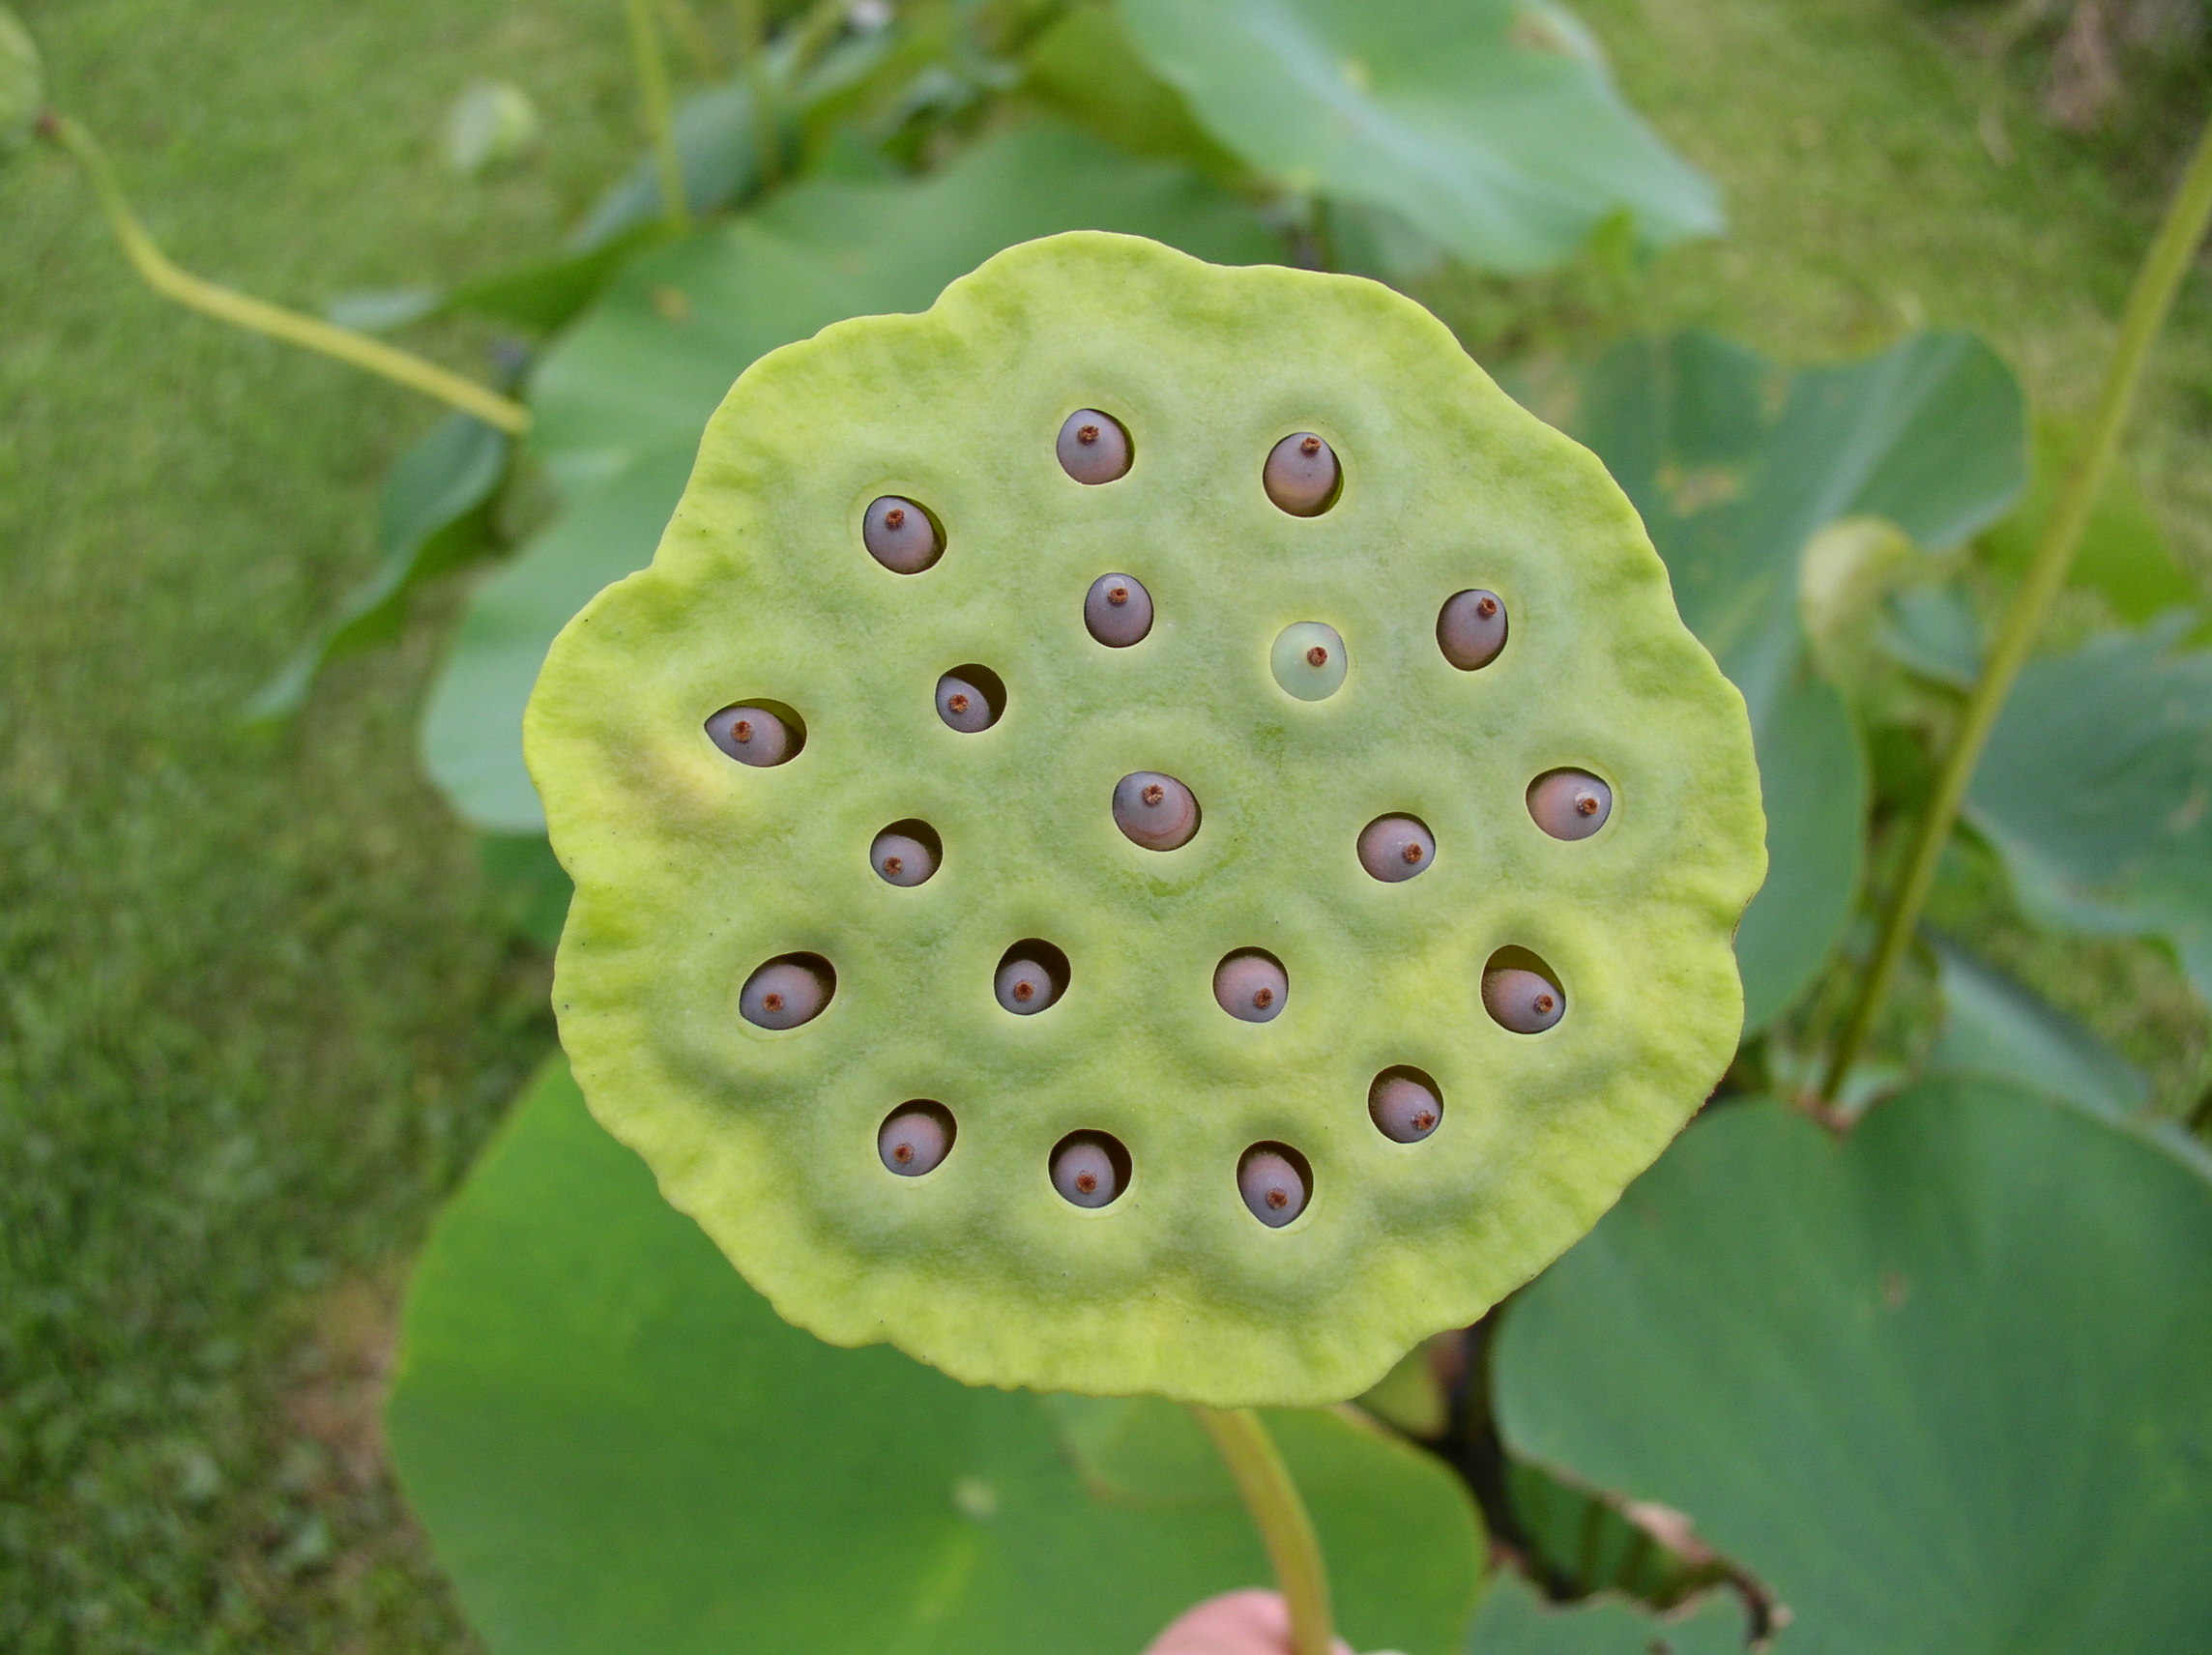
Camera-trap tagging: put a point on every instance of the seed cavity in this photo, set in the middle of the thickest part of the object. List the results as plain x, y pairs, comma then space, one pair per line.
1309, 660
1301, 475
906, 852
787, 991
1154, 810
1031, 975
1521, 992
1090, 1169
916, 1137
1118, 610
1275, 1182
1252, 985
758, 733
970, 698
901, 536
1569, 805
1470, 628
1094, 447
1406, 1104
1394, 847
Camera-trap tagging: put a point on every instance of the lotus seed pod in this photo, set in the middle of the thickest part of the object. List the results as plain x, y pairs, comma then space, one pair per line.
1394, 847
901, 536
906, 852
1251, 986
1155, 811
1404, 1105
786, 991
1273, 1182
1308, 660
916, 1139
755, 735
1094, 446
1470, 628
1084, 1171
690, 870
22, 81
1301, 475
1524, 1001
1569, 805
969, 699
1118, 610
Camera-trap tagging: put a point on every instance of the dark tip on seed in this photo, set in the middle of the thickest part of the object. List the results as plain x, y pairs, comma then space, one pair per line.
787, 991
970, 698
1317, 657
1031, 976
1155, 811
915, 1138
1090, 1169
1519, 992
906, 852
1118, 610
1394, 847
900, 534
1094, 447
1405, 1104
1569, 805
1251, 985
1301, 476
1470, 628
1275, 1183
754, 735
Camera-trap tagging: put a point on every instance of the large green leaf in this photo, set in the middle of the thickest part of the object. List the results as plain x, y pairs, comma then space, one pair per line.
621, 399
1515, 1621
1489, 125
1736, 472
2096, 788
1942, 1385
617, 1446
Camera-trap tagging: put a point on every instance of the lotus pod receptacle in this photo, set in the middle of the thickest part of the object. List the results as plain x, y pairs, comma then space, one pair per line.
1189, 1007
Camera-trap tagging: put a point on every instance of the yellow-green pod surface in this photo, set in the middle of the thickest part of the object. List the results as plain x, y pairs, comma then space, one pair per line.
692, 869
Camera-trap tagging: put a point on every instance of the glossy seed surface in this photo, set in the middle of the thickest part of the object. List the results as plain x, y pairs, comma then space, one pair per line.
900, 534
1084, 1173
1155, 811
1025, 986
751, 734
1470, 628
1394, 847
902, 858
1094, 447
1308, 660
1569, 805
1301, 475
1272, 1187
914, 1141
1405, 1108
1118, 610
1251, 986
963, 705
783, 993
1522, 1000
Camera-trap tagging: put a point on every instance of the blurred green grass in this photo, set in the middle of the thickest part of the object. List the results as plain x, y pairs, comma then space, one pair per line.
255, 1010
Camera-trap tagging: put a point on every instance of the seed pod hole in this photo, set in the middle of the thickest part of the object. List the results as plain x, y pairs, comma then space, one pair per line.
1470, 628
1394, 847
1406, 1104
1251, 985
906, 852
1031, 975
1118, 610
1275, 1182
1521, 992
970, 698
787, 991
1308, 660
758, 733
1094, 447
1090, 1169
901, 535
1301, 475
1154, 810
1569, 805
916, 1137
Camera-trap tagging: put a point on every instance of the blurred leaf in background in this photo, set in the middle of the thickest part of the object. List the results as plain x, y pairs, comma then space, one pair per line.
492, 122
22, 82
1515, 1621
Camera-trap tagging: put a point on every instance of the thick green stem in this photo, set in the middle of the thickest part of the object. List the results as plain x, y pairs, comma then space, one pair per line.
659, 117
768, 119
2164, 266
1272, 1497
259, 316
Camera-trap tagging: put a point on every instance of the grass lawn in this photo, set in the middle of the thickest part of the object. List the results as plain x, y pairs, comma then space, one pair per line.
256, 1009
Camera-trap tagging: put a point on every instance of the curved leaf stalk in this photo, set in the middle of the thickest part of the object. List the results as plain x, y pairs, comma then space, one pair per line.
655, 103
1294, 1550
2163, 265
259, 316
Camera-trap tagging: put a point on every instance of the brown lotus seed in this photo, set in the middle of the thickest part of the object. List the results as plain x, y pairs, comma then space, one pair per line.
1301, 475
1155, 811
1252, 986
753, 735
906, 852
1089, 1169
787, 991
1405, 1104
900, 534
1526, 1002
1118, 610
916, 1139
1569, 805
1273, 1180
1394, 847
1094, 447
1470, 628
